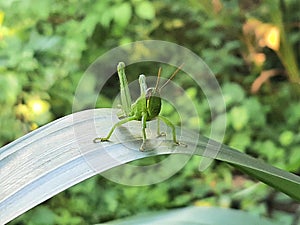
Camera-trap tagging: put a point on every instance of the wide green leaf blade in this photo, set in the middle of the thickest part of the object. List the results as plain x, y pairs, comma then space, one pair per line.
61, 154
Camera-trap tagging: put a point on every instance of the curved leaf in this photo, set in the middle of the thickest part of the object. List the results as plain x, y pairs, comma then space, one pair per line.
60, 154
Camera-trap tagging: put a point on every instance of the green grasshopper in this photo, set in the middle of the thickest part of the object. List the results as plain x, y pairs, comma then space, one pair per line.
147, 107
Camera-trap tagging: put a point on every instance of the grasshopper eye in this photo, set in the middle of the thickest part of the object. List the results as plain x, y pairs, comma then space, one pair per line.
151, 92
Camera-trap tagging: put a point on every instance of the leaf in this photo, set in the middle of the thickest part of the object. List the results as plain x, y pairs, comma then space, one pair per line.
61, 154
286, 138
195, 215
256, 112
43, 216
233, 93
145, 10
39, 42
10, 88
122, 14
240, 140
239, 117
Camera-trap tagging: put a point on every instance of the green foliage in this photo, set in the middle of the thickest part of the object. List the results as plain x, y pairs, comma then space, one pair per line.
45, 47
195, 215
145, 10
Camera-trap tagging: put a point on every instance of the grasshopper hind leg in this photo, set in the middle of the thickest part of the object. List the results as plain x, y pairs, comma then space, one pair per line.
171, 125
159, 134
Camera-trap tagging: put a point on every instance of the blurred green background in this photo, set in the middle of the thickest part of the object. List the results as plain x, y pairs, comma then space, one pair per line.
253, 48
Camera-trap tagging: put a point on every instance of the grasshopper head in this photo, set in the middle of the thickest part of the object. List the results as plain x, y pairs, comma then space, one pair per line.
153, 98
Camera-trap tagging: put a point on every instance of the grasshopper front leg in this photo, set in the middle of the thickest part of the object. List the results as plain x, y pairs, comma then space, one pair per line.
101, 139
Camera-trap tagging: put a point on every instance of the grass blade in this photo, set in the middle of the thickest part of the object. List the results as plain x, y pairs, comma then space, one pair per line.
59, 155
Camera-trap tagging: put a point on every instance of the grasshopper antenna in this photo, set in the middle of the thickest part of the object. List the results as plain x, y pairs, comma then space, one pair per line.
158, 78
172, 76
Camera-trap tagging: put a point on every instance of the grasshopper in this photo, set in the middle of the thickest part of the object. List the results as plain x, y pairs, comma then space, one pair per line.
147, 107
